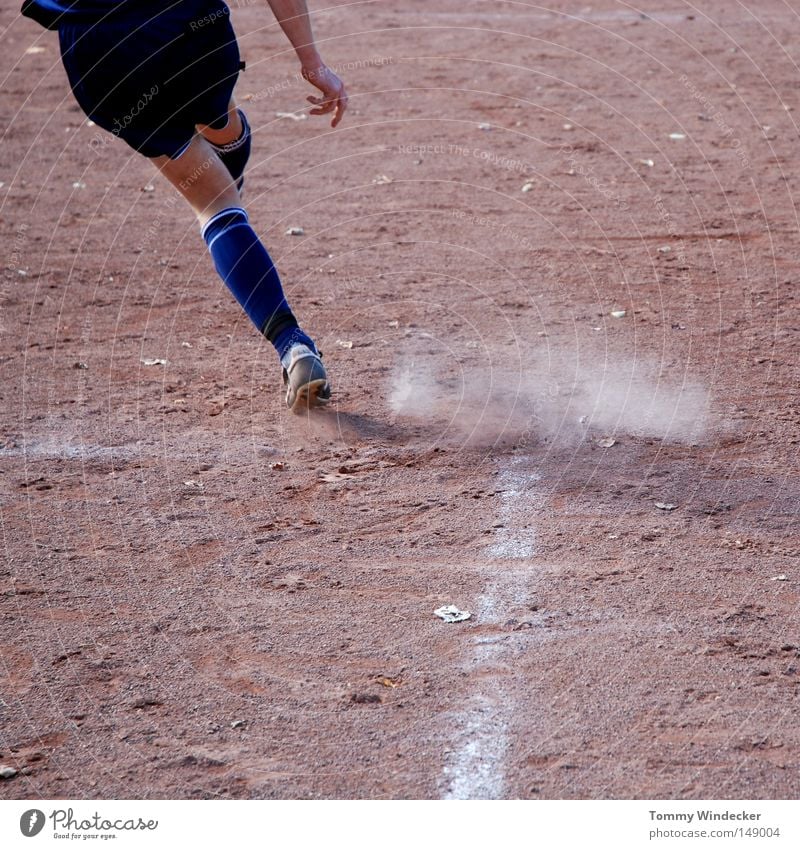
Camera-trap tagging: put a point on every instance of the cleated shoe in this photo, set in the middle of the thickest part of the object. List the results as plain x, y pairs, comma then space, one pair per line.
305, 379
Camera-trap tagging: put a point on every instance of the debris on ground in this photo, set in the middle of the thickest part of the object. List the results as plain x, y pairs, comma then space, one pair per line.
607, 442
664, 506
450, 613
295, 231
365, 698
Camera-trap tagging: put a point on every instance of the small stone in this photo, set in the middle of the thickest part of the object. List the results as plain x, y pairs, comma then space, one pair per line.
607, 442
238, 723
450, 613
344, 343
677, 136
382, 180
484, 127
295, 231
365, 698
618, 313
7, 771
780, 577
648, 162
80, 365
148, 188
528, 187
664, 506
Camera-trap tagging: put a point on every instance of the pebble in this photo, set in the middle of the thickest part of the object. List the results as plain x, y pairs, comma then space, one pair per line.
295, 231
450, 613
7, 771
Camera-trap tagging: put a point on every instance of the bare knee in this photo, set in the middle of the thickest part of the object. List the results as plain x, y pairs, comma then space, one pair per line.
202, 178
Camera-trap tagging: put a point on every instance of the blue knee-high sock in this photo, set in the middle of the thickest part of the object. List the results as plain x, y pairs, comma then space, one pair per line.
245, 266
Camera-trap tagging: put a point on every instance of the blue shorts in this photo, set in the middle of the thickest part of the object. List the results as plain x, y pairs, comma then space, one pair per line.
149, 77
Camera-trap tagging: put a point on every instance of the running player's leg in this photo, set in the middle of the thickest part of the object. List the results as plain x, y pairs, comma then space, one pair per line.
225, 131
243, 263
231, 139
202, 179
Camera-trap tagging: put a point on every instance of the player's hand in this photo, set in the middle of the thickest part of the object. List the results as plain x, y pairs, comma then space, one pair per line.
334, 97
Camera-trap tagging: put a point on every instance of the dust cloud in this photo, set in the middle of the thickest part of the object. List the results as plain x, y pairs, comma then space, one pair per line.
551, 395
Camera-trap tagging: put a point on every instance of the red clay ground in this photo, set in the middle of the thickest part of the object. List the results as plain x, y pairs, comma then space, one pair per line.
203, 596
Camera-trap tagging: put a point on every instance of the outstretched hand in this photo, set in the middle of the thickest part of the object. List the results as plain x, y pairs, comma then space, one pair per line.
334, 97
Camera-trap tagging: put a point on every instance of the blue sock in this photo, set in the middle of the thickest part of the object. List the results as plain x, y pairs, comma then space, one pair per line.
247, 270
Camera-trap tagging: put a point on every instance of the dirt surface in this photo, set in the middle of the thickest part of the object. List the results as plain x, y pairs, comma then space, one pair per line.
203, 596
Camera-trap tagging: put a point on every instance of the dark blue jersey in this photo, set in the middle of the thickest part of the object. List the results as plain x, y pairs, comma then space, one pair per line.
51, 13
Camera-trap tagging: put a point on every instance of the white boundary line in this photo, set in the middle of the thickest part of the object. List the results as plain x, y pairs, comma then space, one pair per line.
477, 769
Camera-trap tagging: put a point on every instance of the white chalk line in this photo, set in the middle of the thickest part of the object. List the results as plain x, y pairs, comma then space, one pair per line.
477, 768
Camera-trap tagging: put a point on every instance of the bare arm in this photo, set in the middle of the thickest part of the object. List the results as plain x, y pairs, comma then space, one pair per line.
295, 22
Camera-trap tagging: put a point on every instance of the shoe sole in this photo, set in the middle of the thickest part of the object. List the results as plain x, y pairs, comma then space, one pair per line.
307, 396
